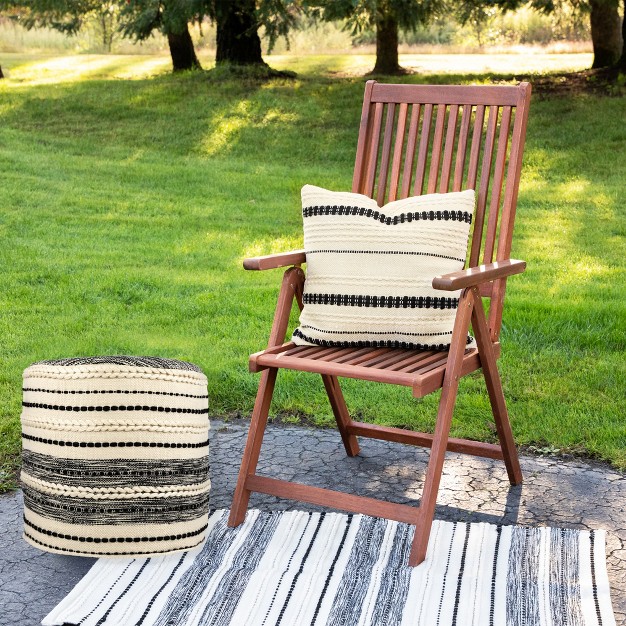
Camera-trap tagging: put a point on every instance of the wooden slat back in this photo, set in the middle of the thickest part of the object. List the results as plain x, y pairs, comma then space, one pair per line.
416, 139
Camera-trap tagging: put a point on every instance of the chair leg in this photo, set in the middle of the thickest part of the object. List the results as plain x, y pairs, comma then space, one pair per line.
426, 511
503, 425
450, 386
496, 395
342, 416
252, 450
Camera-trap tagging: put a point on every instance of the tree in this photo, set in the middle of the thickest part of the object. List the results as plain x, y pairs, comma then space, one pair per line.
238, 23
66, 17
605, 25
605, 32
1, 74
386, 17
603, 14
237, 37
621, 64
140, 18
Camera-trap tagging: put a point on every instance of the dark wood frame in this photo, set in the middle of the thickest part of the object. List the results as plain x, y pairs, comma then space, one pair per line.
386, 153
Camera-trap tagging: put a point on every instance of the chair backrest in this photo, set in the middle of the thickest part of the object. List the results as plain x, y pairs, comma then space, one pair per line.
417, 139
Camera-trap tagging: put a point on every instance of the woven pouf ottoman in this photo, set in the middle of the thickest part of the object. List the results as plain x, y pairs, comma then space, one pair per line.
115, 455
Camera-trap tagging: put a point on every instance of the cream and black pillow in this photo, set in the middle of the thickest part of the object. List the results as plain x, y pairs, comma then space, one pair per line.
370, 269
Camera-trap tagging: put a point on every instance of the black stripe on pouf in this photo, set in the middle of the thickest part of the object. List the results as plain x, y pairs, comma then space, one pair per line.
108, 512
134, 392
113, 408
133, 361
96, 553
92, 540
115, 472
113, 444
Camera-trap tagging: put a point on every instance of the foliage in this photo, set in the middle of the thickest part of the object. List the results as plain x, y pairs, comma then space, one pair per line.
278, 18
603, 16
66, 17
522, 26
140, 18
62, 16
363, 15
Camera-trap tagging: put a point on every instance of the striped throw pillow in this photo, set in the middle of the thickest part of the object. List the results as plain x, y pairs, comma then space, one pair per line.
370, 269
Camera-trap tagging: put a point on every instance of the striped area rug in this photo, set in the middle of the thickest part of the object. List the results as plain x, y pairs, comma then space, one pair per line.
298, 568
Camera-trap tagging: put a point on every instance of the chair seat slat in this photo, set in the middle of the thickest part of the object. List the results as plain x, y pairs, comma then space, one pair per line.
424, 375
352, 354
301, 351
406, 364
376, 357
429, 363
393, 358
331, 354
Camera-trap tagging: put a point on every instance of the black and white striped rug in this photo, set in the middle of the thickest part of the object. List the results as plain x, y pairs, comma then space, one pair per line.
297, 569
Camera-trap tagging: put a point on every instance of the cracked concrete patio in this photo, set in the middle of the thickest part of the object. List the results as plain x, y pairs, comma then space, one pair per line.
555, 492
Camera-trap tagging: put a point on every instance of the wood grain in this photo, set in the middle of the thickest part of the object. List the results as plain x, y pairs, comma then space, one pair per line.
334, 499
476, 275
274, 261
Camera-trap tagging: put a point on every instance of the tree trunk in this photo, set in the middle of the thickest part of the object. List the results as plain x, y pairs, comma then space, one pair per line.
605, 33
387, 46
182, 51
621, 64
238, 41
1, 74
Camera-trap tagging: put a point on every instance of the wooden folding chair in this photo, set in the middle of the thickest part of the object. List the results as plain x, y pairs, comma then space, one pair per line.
397, 124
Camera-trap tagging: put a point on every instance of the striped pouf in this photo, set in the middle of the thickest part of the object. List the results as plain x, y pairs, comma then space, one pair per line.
115, 455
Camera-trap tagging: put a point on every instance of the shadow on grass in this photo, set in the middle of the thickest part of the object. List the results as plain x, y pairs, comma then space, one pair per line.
214, 113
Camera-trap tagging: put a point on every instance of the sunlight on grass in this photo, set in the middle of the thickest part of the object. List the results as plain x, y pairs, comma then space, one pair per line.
261, 247
74, 68
141, 69
583, 270
604, 205
226, 126
574, 189
359, 64
35, 70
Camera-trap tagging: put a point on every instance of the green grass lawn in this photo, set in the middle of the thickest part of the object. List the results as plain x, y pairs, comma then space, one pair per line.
127, 207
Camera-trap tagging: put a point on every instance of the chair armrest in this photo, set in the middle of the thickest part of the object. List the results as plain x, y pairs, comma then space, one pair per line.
477, 275
272, 261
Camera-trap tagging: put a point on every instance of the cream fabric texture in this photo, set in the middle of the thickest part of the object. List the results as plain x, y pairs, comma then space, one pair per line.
370, 268
115, 457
